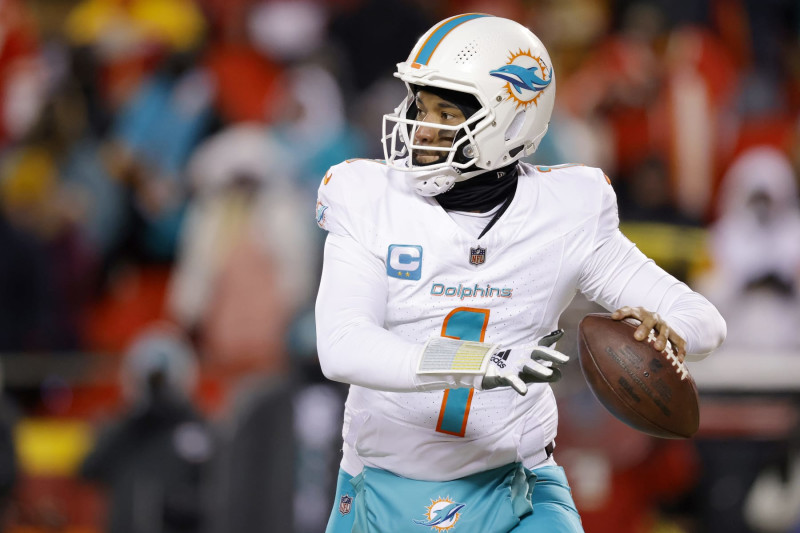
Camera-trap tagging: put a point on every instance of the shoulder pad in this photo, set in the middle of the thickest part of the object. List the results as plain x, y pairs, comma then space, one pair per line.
573, 170
347, 191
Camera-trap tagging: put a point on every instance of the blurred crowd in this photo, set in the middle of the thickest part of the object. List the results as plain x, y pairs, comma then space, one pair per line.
159, 161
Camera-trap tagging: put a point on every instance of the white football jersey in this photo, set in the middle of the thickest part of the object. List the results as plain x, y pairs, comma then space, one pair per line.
424, 275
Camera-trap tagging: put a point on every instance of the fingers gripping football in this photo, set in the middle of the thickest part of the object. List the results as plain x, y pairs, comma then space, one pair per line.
518, 366
650, 321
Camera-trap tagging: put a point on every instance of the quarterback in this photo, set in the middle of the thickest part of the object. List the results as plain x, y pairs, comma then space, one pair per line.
446, 269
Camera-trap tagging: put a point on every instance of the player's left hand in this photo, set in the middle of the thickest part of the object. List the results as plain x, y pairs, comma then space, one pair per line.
653, 321
544, 354
516, 367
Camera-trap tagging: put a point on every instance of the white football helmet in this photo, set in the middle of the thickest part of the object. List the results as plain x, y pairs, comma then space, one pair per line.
505, 67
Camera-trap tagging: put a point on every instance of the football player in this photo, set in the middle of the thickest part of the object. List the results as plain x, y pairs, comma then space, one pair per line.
446, 269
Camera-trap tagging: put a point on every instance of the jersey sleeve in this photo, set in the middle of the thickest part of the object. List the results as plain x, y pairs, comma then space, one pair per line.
608, 219
352, 344
617, 274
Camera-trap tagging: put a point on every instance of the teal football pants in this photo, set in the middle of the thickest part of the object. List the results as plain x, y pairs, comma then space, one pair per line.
553, 508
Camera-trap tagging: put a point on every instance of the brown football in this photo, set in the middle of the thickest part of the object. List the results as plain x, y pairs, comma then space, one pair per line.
651, 391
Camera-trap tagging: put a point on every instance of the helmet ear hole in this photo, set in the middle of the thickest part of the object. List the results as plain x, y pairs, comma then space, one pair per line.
514, 151
516, 125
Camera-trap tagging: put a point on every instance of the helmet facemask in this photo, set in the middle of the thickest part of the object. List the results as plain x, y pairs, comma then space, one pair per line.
457, 161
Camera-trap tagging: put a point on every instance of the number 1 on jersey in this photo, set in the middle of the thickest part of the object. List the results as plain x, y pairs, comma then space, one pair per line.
469, 324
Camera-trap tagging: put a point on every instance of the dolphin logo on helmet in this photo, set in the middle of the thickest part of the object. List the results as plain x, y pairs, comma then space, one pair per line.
521, 78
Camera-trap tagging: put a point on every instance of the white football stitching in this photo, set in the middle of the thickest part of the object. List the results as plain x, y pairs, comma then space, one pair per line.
680, 367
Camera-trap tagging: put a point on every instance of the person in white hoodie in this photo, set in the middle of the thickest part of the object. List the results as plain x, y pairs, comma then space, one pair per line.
755, 251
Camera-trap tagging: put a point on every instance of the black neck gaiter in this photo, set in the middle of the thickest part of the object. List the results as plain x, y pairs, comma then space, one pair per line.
481, 193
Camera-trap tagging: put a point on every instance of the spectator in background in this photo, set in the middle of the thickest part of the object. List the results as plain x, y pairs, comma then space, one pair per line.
22, 299
55, 264
147, 106
700, 84
138, 57
650, 197
656, 90
291, 31
96, 198
311, 126
128, 37
22, 87
246, 77
152, 138
154, 459
616, 90
243, 272
755, 249
243, 267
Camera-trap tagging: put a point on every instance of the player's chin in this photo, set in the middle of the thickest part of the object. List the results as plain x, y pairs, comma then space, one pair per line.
427, 157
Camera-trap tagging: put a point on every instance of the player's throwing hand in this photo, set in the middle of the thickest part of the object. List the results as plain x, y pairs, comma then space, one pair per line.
650, 321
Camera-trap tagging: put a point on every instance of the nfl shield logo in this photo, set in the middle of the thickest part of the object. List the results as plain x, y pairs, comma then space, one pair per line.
345, 504
477, 256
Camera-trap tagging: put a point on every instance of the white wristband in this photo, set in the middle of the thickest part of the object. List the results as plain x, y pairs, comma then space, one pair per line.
442, 355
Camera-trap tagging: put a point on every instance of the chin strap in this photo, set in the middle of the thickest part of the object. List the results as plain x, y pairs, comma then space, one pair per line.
436, 182
467, 191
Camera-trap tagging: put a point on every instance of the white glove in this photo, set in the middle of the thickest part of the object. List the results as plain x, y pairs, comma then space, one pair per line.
456, 363
517, 366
